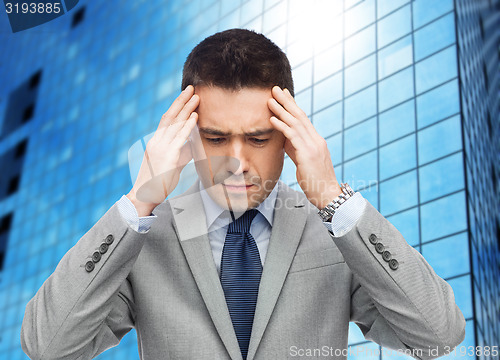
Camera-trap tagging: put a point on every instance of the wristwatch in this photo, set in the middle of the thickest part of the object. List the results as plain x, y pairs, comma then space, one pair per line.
327, 212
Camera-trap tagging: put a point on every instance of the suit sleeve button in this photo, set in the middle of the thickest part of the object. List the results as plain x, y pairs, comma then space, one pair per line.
386, 255
380, 248
393, 264
103, 248
96, 256
89, 266
109, 239
373, 239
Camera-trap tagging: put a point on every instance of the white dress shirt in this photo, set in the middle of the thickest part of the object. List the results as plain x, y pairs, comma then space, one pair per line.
218, 220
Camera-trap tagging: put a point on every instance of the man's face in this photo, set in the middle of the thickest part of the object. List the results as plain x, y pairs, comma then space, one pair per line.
244, 152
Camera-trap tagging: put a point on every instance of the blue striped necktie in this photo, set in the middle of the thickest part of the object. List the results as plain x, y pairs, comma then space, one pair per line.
240, 273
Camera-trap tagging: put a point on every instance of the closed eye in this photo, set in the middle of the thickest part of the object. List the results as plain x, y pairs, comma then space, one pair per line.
215, 140
259, 141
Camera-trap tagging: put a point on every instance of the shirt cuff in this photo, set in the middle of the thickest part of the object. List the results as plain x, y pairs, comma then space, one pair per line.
347, 215
129, 214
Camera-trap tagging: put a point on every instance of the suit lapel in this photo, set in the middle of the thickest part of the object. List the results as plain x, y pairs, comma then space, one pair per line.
190, 225
288, 224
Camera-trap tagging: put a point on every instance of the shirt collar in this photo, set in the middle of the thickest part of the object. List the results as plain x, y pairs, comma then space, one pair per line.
214, 210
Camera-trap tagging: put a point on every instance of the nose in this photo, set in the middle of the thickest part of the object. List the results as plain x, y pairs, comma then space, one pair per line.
238, 158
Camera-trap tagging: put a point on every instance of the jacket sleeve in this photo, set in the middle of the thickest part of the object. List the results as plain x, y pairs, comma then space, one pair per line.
86, 306
397, 299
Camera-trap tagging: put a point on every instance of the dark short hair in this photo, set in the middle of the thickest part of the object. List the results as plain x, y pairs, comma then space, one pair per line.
235, 59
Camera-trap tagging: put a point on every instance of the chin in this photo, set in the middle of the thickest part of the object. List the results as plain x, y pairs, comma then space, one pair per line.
228, 202
245, 203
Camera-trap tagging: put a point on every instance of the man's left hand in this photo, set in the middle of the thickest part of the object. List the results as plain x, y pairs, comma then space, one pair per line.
307, 149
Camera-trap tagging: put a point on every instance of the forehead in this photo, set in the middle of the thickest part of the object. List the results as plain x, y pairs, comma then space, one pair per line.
238, 111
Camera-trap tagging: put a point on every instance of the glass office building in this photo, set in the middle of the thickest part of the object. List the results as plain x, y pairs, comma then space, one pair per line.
406, 93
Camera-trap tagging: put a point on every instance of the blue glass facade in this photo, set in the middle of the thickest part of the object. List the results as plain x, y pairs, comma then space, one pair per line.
478, 38
406, 93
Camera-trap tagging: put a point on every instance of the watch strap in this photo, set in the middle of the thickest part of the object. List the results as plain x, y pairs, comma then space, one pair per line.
329, 210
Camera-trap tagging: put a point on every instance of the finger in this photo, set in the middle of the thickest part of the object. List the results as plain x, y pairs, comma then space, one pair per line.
167, 133
281, 126
307, 123
188, 108
289, 94
183, 134
291, 134
288, 102
177, 106
285, 116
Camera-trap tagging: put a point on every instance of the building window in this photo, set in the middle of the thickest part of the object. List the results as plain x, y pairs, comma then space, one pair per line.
28, 113
5, 225
436, 69
35, 79
21, 104
21, 149
78, 17
394, 27
434, 37
13, 185
11, 164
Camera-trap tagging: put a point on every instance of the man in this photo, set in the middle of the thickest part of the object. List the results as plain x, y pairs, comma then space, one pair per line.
240, 266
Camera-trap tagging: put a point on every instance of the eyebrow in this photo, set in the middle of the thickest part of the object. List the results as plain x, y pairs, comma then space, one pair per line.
217, 132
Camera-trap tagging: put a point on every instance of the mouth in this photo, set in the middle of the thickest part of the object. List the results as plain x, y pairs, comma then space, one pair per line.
237, 187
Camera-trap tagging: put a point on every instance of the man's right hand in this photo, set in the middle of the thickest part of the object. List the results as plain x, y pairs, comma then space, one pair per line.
166, 154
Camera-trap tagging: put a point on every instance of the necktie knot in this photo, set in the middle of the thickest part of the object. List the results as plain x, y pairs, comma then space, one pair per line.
242, 224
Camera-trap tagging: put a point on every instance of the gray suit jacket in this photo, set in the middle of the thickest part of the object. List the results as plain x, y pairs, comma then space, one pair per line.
165, 285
